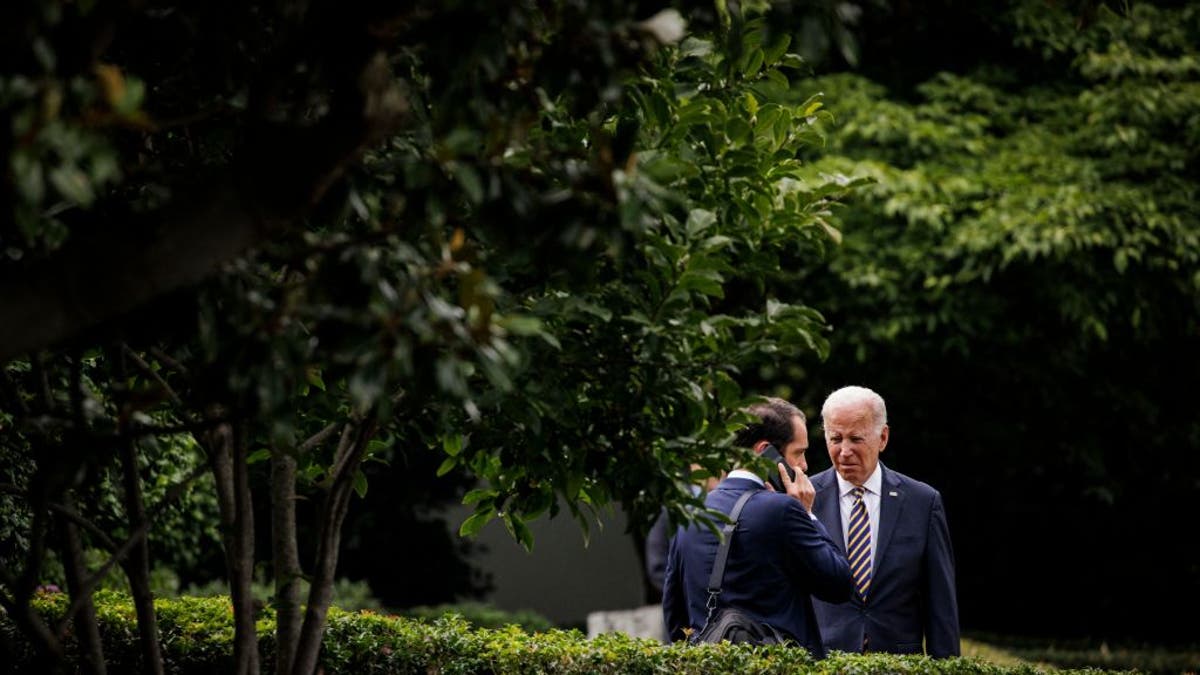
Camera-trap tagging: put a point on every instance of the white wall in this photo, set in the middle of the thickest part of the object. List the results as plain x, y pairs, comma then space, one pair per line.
561, 579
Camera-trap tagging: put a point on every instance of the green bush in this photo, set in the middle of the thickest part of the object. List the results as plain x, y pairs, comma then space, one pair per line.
347, 594
197, 638
480, 615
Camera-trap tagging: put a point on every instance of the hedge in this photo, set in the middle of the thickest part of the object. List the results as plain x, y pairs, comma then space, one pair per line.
197, 637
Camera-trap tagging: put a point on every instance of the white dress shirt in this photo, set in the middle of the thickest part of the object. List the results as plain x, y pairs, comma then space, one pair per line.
871, 497
748, 475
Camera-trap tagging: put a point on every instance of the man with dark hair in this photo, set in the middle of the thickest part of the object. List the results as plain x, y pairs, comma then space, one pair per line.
774, 424
780, 554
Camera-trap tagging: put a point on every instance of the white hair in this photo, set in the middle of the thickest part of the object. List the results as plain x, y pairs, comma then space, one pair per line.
853, 396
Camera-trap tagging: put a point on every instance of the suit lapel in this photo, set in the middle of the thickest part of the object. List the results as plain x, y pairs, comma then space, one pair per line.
891, 504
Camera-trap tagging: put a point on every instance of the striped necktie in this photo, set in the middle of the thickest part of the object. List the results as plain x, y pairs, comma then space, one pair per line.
858, 544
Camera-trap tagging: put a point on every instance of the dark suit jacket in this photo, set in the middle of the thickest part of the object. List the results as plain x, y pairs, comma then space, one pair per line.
658, 542
912, 596
779, 557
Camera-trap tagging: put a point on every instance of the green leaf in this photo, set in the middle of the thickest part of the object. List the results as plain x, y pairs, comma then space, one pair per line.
258, 456
777, 79
479, 494
447, 466
754, 63
777, 48
519, 530
715, 242
376, 446
28, 175
764, 126
602, 313
574, 485
699, 220
72, 184
452, 444
751, 103
708, 282
738, 131
131, 98
782, 127
834, 233
360, 484
312, 375
314, 473
694, 46
793, 61
520, 324
468, 179
475, 522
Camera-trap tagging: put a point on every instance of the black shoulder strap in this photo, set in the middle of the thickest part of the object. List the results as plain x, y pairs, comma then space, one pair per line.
718, 570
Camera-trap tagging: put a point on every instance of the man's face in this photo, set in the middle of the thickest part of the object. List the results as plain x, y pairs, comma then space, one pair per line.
854, 444
793, 453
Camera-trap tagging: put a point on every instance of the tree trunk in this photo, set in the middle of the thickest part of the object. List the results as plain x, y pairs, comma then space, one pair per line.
333, 513
48, 649
286, 558
137, 565
227, 453
86, 628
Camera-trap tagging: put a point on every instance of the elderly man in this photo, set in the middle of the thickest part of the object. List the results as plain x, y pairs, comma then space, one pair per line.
893, 530
780, 556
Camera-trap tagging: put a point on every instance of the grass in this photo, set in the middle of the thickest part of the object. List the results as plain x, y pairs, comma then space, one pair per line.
992, 654
1049, 656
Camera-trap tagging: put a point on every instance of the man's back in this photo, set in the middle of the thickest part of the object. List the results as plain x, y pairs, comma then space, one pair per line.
779, 556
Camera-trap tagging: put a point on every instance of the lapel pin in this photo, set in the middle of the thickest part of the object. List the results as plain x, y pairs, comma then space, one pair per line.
893, 493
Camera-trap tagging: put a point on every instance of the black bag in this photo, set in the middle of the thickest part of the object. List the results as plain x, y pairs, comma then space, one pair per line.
734, 625
730, 623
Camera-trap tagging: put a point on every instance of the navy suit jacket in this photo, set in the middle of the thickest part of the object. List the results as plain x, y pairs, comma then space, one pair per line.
912, 596
658, 542
779, 557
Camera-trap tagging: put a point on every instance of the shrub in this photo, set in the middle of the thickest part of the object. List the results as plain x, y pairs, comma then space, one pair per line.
347, 594
481, 615
197, 636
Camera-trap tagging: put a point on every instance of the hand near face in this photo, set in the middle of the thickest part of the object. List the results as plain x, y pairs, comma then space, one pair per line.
801, 488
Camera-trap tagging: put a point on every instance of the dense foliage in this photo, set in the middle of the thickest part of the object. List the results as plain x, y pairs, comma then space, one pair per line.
259, 260
637, 374
197, 633
1021, 280
295, 240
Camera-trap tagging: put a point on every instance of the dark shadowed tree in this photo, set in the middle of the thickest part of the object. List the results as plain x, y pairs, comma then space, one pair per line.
299, 237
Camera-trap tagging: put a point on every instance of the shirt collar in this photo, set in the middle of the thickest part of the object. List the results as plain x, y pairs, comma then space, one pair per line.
746, 475
873, 484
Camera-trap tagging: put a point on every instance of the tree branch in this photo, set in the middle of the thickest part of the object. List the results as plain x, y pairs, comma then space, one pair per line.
153, 374
128, 545
91, 528
317, 439
170, 362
